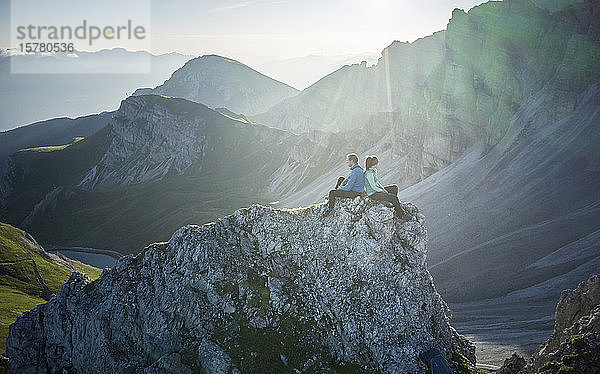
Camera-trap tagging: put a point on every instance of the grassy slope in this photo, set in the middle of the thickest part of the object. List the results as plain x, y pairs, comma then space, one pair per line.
49, 133
20, 289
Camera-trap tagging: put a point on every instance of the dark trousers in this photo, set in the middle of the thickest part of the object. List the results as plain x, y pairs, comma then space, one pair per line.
390, 196
392, 188
340, 193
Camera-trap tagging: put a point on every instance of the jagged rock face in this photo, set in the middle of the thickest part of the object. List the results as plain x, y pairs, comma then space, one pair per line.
512, 365
143, 147
576, 338
152, 137
443, 93
574, 346
222, 82
261, 290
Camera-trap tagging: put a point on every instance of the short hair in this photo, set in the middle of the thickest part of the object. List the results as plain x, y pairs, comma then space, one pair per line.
352, 156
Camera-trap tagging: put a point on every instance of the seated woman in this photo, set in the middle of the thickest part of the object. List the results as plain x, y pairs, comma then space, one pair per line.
378, 192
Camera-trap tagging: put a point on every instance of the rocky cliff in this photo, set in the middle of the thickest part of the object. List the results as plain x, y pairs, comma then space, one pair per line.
445, 92
148, 140
261, 290
574, 346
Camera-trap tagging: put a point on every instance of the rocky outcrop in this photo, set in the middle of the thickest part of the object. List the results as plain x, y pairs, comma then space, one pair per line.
143, 148
4, 365
152, 137
218, 81
261, 290
574, 346
512, 365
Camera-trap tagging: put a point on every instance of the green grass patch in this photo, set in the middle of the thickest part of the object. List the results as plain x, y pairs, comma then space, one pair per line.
21, 277
11, 244
52, 148
577, 341
277, 349
54, 276
12, 304
20, 288
566, 369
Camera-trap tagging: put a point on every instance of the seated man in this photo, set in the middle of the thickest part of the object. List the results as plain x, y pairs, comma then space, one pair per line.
350, 187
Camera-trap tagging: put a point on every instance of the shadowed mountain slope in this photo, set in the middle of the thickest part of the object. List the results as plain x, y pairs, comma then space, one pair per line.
53, 132
522, 214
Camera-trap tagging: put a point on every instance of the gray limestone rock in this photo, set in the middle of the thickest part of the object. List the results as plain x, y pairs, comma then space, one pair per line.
513, 364
261, 290
574, 346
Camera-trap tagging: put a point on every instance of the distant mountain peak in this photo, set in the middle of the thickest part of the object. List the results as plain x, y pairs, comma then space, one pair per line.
218, 81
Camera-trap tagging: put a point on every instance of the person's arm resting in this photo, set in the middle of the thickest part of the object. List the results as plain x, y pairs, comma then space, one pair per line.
350, 181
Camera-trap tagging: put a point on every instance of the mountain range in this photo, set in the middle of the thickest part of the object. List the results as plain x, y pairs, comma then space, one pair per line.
546, 152
460, 88
490, 126
193, 163
443, 93
85, 89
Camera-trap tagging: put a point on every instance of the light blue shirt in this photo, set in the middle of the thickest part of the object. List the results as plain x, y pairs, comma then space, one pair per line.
355, 181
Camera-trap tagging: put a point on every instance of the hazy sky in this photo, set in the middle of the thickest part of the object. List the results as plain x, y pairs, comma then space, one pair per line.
263, 30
